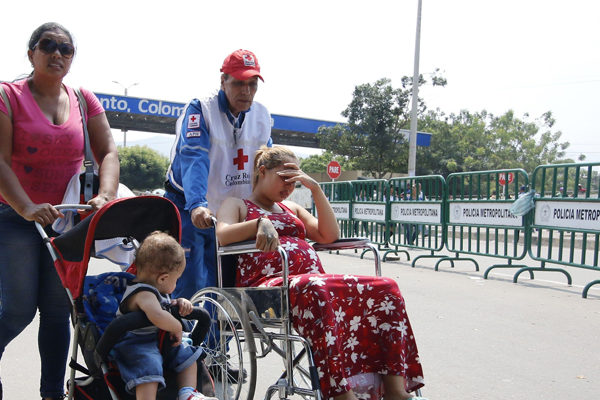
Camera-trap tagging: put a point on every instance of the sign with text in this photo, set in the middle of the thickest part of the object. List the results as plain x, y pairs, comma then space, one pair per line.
334, 169
568, 214
136, 105
369, 212
416, 212
341, 210
496, 213
503, 178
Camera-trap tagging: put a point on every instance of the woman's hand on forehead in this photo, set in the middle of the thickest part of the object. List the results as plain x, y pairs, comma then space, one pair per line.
291, 165
293, 173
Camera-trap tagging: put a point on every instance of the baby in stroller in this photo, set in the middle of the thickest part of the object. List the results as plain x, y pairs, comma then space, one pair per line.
160, 261
112, 233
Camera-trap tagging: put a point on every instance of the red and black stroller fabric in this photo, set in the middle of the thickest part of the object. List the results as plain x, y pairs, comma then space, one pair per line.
95, 298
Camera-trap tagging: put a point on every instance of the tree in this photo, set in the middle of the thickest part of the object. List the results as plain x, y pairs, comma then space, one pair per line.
458, 143
318, 162
372, 138
142, 168
482, 141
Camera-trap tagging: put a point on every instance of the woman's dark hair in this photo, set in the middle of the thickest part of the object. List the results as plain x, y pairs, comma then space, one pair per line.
48, 26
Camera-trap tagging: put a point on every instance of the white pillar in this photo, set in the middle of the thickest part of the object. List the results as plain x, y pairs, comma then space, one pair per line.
412, 141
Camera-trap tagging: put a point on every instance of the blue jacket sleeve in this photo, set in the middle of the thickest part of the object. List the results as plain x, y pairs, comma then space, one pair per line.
193, 153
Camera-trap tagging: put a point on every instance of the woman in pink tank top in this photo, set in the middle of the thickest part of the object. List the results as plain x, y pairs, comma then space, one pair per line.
41, 148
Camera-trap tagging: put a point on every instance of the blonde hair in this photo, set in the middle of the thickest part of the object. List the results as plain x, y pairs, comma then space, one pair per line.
160, 252
271, 157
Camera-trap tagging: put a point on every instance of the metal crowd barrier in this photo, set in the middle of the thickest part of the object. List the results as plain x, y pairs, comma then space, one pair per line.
469, 214
478, 220
369, 211
340, 195
415, 215
566, 221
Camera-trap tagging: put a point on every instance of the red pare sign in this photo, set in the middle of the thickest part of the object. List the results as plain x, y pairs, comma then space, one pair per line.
503, 178
334, 169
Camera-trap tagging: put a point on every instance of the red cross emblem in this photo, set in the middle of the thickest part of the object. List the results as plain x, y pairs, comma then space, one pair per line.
240, 160
194, 121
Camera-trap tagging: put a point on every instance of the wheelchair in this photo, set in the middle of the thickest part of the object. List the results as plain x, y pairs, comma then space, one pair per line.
250, 323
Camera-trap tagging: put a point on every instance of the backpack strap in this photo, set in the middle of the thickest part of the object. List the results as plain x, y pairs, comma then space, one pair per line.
88, 163
6, 101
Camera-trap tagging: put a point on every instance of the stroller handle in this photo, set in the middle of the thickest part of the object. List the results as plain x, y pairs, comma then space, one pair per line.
42, 232
81, 207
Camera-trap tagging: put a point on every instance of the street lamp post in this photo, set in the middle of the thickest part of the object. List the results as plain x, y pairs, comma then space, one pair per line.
125, 90
412, 141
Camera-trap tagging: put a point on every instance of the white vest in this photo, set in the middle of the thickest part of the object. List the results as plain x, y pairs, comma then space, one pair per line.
232, 160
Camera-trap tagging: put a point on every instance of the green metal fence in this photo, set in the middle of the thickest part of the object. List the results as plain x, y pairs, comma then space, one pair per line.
340, 195
469, 214
415, 215
369, 210
478, 219
565, 226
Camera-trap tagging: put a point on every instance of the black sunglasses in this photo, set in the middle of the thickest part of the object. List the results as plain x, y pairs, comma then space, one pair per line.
49, 46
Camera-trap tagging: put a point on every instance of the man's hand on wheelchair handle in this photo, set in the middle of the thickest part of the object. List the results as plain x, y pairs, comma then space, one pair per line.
267, 238
201, 217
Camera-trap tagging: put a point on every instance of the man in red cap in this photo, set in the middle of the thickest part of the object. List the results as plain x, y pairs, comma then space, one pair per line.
212, 159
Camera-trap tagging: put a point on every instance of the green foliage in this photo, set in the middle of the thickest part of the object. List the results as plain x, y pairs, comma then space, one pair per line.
318, 162
372, 138
142, 168
481, 141
466, 141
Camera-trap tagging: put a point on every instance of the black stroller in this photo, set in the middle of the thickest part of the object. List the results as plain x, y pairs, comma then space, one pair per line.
113, 232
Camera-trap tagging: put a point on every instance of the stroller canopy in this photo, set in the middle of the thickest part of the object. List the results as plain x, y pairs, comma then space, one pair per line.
132, 217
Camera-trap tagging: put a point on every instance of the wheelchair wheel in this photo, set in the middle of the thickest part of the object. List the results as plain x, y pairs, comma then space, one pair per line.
229, 346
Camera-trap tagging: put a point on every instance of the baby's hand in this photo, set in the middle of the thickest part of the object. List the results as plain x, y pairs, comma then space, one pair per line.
184, 306
176, 337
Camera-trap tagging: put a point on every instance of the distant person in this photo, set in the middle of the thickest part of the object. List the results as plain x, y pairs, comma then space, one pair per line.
410, 230
41, 148
393, 196
211, 160
160, 261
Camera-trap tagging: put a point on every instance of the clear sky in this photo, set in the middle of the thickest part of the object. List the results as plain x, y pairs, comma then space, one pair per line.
530, 56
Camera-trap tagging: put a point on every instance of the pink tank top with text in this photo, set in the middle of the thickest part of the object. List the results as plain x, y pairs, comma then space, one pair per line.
45, 156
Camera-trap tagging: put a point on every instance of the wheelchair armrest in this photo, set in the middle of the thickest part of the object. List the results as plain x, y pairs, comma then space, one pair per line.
343, 244
352, 243
247, 246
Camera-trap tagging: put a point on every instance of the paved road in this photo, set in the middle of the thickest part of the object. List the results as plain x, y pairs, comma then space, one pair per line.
478, 339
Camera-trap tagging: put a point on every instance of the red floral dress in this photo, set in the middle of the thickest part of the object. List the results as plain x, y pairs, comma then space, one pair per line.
354, 324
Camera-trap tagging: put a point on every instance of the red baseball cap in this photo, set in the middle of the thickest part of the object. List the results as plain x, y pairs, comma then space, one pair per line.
242, 65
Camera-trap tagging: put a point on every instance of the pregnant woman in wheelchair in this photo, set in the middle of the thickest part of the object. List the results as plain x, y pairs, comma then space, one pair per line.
354, 324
